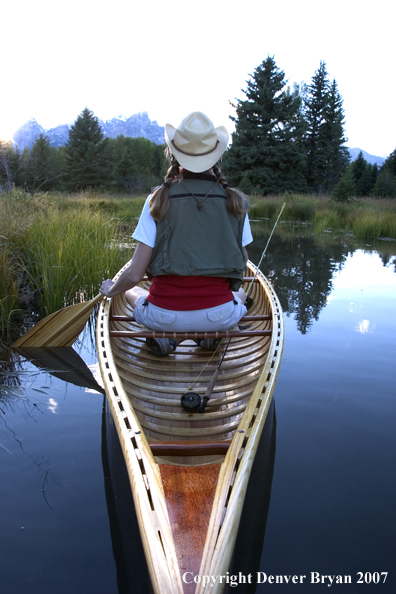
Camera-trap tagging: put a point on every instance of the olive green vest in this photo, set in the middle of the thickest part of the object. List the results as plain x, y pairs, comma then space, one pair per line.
199, 241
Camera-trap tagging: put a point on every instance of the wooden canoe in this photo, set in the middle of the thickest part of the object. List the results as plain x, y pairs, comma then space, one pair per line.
189, 471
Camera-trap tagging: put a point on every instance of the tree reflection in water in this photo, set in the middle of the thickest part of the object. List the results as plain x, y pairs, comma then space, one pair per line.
301, 269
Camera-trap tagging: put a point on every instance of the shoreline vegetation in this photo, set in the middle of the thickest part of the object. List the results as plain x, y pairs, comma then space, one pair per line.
55, 248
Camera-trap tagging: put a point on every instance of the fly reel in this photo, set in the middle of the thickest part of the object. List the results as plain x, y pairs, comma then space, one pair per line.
191, 401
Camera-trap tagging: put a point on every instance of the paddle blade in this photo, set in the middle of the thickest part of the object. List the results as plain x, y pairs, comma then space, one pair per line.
63, 363
59, 329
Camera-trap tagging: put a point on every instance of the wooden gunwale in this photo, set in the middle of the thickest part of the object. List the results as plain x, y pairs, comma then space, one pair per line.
248, 406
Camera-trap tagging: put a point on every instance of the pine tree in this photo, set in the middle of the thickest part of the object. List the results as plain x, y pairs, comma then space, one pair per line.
385, 185
359, 166
364, 175
39, 166
345, 188
315, 105
336, 155
265, 155
10, 162
86, 163
326, 155
134, 164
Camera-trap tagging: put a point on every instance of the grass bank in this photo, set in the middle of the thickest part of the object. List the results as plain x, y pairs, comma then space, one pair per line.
366, 218
56, 249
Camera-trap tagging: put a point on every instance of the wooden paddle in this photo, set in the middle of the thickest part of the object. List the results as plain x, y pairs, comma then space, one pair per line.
63, 363
61, 328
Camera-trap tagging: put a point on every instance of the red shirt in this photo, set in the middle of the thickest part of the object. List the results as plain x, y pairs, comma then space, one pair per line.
186, 293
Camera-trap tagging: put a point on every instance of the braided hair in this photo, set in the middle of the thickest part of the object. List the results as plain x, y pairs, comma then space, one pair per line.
236, 203
159, 201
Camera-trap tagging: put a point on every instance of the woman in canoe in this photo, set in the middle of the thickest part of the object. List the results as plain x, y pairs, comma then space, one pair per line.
191, 239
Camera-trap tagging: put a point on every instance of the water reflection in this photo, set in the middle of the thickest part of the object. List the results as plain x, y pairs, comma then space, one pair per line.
302, 270
333, 491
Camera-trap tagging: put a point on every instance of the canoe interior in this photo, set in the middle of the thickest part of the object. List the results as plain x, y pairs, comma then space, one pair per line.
155, 385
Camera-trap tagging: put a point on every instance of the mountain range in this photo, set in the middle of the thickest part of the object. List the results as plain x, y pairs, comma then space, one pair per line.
138, 125
354, 152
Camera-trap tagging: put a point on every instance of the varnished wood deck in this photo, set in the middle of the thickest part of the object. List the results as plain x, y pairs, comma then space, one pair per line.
189, 493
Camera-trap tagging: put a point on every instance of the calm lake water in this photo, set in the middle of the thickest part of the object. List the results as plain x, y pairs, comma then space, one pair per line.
327, 477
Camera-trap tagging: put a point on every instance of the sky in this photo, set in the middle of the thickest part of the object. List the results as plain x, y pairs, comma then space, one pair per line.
122, 57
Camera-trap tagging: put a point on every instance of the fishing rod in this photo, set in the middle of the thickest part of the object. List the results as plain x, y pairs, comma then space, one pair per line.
263, 254
191, 401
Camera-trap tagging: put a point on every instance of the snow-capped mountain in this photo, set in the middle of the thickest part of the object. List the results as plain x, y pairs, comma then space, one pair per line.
138, 125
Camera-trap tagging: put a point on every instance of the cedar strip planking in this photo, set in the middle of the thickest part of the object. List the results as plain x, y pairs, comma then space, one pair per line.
189, 493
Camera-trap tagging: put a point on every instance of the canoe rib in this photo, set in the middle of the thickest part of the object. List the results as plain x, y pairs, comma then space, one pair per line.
160, 441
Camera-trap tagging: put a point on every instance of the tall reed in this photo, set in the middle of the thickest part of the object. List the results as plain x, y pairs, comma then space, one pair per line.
9, 301
69, 253
55, 251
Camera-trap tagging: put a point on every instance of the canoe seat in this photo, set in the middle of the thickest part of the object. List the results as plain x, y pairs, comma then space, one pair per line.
189, 448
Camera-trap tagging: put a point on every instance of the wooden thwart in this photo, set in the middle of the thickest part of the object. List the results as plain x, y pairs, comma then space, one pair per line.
245, 319
189, 335
189, 448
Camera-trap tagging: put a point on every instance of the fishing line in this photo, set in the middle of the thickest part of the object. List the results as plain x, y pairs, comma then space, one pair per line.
265, 249
207, 363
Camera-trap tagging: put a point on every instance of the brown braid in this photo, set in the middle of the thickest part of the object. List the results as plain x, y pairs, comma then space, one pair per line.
159, 201
237, 203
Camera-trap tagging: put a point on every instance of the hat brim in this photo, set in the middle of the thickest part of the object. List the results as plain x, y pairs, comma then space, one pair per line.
198, 163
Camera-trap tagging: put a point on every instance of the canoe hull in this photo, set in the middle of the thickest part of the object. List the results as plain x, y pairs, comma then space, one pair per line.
144, 396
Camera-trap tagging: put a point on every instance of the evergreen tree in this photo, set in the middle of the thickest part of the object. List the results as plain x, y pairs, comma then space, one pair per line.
374, 175
359, 166
390, 163
10, 161
345, 188
385, 185
134, 164
86, 159
315, 105
39, 166
336, 155
326, 155
265, 155
364, 175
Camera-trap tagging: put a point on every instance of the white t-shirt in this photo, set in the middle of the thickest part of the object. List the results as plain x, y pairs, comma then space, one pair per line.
146, 229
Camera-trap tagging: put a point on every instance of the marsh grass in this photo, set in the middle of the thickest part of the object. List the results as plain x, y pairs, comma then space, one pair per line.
365, 218
68, 256
57, 249
125, 209
9, 301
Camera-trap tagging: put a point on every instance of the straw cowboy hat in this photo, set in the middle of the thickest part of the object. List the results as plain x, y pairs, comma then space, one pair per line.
196, 143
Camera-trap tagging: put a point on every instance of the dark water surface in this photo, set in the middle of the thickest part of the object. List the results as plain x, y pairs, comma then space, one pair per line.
330, 446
